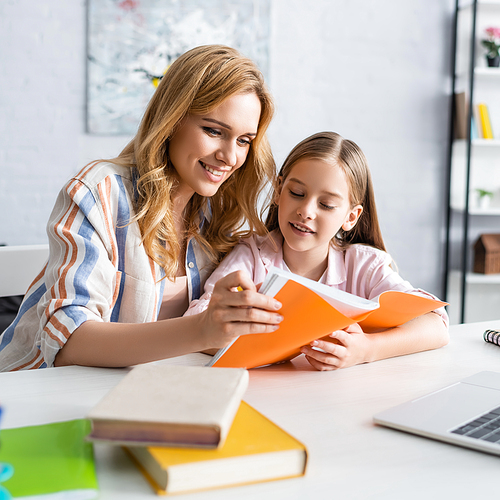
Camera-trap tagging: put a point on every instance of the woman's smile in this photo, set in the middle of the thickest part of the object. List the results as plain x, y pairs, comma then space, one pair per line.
215, 171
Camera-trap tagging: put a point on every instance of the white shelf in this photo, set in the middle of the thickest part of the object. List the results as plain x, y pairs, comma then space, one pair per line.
482, 72
478, 211
466, 4
482, 279
484, 211
482, 291
479, 279
487, 71
481, 143
486, 143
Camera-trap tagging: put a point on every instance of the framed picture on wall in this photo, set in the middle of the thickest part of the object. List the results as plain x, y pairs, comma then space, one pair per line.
131, 44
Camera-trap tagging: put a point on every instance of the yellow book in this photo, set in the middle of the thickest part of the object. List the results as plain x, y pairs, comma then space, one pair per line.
485, 120
256, 449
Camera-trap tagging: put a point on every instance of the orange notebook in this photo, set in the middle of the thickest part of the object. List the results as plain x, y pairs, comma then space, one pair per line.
311, 311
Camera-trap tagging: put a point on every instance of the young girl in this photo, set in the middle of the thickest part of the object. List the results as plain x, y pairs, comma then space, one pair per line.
135, 237
323, 225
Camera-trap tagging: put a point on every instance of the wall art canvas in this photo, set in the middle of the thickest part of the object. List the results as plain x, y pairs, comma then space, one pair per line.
131, 44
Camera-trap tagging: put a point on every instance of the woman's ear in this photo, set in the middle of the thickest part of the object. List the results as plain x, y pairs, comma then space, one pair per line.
352, 218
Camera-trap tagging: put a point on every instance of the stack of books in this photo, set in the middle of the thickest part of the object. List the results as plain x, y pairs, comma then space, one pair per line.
188, 429
481, 127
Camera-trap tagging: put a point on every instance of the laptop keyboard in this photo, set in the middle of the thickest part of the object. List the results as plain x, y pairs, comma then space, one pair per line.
486, 427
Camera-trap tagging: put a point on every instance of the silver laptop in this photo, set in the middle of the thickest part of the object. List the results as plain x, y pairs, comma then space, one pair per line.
466, 414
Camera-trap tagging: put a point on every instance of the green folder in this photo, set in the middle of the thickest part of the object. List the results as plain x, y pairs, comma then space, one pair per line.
50, 458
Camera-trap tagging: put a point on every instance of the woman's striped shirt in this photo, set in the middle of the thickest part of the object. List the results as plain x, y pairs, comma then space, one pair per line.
97, 269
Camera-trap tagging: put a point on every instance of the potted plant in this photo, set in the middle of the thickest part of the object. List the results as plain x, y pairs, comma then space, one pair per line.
492, 44
484, 198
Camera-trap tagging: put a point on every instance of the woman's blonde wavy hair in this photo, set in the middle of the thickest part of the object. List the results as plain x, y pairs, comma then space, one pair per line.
196, 83
332, 148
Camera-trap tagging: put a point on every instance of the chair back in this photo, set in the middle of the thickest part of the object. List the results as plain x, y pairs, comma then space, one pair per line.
19, 266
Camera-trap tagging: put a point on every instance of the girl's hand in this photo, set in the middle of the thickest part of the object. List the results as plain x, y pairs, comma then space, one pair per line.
236, 308
348, 348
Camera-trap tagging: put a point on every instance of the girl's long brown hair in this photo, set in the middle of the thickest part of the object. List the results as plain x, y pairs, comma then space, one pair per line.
334, 149
196, 83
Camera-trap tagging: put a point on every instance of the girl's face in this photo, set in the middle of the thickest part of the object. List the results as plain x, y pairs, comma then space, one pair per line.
313, 204
206, 149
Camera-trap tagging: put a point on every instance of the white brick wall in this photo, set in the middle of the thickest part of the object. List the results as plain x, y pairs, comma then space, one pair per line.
376, 72
42, 103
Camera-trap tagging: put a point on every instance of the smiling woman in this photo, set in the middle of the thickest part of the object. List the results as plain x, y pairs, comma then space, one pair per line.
207, 149
135, 237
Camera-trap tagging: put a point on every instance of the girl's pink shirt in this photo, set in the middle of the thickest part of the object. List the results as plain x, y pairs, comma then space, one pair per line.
359, 269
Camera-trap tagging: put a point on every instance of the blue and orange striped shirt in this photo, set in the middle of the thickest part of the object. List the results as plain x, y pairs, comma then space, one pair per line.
97, 269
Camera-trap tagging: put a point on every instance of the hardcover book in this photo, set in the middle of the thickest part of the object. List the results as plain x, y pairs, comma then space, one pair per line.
170, 405
256, 449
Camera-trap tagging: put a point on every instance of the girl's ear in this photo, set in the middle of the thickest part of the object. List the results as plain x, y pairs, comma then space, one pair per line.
277, 192
352, 218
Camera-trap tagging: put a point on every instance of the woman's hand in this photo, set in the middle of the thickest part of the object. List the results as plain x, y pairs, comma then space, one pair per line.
236, 308
347, 348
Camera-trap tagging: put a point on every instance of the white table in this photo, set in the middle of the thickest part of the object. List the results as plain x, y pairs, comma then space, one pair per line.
330, 412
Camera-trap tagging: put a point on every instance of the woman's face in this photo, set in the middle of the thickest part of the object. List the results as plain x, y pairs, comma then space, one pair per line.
206, 149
